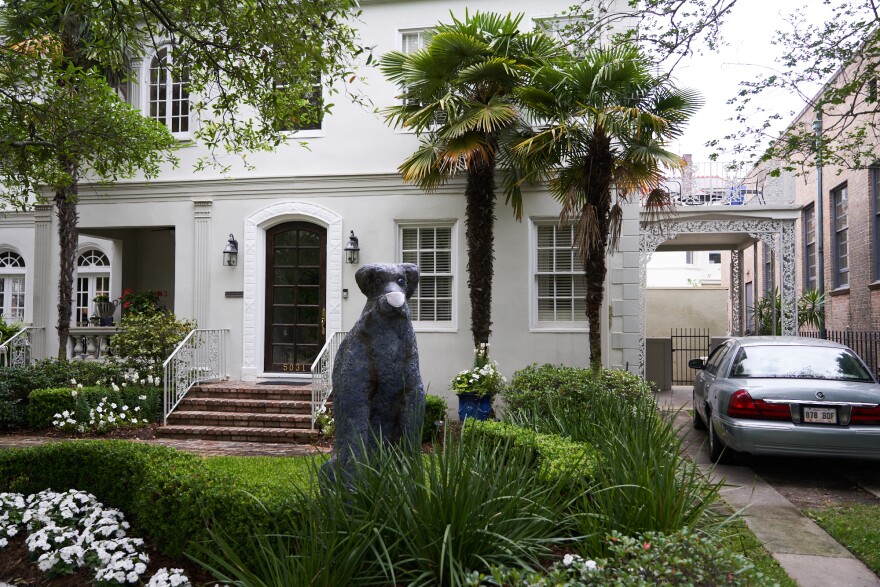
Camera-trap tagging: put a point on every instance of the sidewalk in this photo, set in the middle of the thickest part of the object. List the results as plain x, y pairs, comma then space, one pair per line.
808, 554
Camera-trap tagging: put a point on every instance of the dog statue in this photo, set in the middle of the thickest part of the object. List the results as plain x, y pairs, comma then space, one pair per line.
377, 387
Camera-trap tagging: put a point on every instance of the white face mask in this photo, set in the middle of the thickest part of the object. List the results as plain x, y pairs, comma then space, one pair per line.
396, 298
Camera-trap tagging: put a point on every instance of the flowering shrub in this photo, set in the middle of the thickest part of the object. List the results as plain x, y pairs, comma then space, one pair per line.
682, 558
146, 340
325, 422
141, 302
481, 379
96, 408
71, 530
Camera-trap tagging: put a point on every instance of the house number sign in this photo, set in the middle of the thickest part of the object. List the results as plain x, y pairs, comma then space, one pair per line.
296, 367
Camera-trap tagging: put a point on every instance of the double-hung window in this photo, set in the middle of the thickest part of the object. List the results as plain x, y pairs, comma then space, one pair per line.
92, 279
840, 255
769, 270
12, 286
431, 247
875, 197
169, 96
559, 284
809, 220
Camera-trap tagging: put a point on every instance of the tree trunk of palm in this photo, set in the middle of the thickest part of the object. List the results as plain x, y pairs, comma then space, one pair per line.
479, 222
597, 194
65, 208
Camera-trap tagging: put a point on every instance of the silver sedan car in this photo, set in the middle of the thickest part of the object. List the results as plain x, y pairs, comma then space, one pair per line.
785, 395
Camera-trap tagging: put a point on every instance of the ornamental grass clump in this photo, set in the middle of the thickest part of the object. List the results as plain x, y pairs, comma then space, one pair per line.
642, 481
429, 520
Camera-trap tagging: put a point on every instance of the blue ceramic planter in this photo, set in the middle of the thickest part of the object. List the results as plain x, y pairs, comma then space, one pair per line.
471, 405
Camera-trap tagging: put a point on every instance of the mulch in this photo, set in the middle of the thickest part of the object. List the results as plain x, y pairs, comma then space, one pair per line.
147, 432
17, 568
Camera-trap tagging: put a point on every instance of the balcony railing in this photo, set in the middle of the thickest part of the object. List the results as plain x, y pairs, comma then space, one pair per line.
16, 350
725, 184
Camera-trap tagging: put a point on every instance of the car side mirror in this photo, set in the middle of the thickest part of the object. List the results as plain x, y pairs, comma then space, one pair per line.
696, 364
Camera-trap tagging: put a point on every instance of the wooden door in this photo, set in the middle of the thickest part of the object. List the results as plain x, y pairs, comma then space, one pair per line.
295, 296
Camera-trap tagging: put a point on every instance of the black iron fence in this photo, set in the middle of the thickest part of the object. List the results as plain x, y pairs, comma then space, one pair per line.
865, 344
687, 344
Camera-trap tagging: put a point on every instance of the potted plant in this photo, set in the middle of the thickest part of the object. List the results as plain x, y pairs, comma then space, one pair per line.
104, 307
475, 387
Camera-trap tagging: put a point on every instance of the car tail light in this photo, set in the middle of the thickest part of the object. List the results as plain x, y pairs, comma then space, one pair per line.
743, 406
865, 415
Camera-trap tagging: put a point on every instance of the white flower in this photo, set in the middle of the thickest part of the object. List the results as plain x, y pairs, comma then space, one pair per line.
567, 560
79, 386
590, 565
73, 381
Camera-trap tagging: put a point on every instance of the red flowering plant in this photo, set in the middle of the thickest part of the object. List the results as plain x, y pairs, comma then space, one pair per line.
140, 302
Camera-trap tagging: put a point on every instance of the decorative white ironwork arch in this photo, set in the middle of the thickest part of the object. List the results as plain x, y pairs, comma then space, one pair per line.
778, 234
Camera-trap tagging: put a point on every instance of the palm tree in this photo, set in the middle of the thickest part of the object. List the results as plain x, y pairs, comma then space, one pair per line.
457, 94
605, 120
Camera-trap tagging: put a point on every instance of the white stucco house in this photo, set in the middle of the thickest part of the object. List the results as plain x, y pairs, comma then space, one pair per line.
292, 214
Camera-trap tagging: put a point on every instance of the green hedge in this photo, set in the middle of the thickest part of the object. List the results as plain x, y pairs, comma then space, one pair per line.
45, 403
169, 496
539, 389
435, 411
559, 459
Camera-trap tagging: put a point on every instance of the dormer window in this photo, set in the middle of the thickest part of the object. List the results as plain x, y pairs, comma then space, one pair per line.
169, 97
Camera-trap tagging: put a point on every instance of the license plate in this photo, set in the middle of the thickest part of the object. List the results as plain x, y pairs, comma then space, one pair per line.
820, 415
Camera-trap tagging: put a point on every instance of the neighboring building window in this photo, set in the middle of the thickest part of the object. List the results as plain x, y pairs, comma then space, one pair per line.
169, 97
559, 280
12, 290
430, 247
715, 258
93, 279
841, 242
769, 273
875, 196
810, 247
689, 257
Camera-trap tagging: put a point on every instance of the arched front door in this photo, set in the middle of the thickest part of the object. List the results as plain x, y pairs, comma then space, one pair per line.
295, 296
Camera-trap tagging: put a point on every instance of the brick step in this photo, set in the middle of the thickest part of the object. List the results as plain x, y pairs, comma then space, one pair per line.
238, 434
252, 406
239, 420
267, 392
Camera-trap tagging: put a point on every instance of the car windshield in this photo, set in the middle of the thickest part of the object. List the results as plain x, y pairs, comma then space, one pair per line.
798, 362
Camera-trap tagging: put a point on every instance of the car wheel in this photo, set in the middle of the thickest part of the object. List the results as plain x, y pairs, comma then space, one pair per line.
698, 420
718, 453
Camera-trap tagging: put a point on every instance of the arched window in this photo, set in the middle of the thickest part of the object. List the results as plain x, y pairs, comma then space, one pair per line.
169, 97
92, 279
12, 286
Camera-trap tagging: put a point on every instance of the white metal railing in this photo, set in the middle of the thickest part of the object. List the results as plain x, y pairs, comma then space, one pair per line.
727, 184
199, 357
322, 374
16, 350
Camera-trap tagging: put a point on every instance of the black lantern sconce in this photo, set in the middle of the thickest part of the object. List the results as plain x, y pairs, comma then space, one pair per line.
352, 249
230, 252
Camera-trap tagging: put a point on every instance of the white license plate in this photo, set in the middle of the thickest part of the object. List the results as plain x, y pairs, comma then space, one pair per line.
820, 415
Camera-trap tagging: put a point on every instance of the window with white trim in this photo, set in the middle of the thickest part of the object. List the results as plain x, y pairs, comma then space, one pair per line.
560, 286
412, 40
431, 248
12, 286
840, 238
92, 279
169, 97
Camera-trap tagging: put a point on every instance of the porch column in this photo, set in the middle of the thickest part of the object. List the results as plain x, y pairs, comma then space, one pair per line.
43, 292
785, 252
754, 324
736, 293
202, 259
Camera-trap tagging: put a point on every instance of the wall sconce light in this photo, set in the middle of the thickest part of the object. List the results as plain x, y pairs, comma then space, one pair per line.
230, 252
352, 249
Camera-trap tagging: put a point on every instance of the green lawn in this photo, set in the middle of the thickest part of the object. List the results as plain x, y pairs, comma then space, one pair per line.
857, 527
737, 537
274, 472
